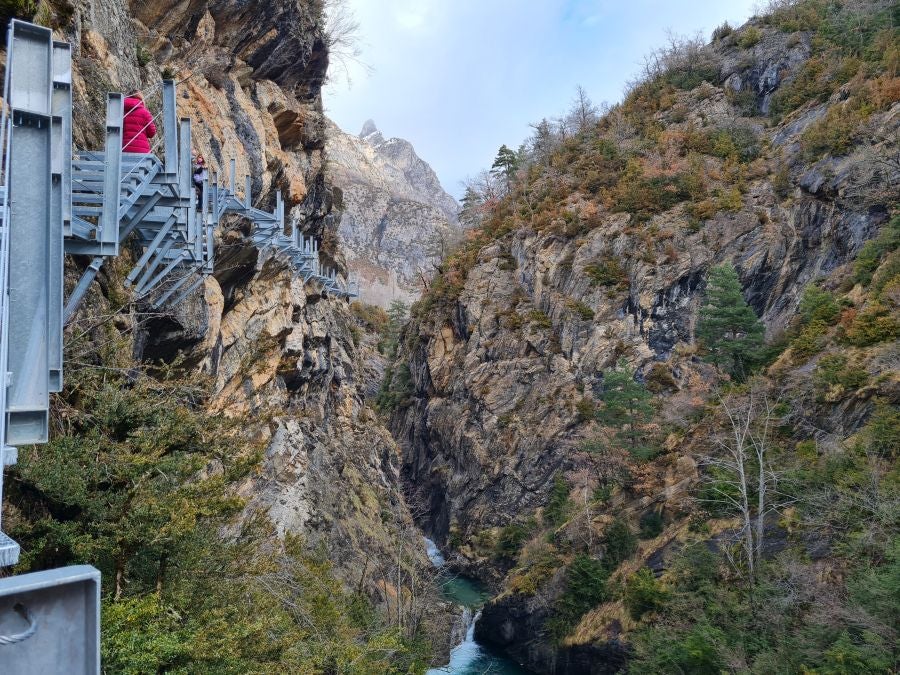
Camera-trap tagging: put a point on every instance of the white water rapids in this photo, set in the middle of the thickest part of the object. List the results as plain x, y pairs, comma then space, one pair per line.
468, 657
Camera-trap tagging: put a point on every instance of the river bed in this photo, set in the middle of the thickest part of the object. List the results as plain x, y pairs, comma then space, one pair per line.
469, 657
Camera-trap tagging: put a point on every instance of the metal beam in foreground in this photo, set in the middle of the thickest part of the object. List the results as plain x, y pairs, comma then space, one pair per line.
61, 204
29, 195
50, 622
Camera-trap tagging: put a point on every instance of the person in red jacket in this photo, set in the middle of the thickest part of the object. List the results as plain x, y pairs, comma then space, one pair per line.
138, 128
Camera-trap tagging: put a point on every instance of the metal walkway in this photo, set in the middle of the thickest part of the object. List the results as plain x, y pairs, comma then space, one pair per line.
89, 203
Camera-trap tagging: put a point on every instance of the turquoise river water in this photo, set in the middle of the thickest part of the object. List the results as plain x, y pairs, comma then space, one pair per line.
469, 657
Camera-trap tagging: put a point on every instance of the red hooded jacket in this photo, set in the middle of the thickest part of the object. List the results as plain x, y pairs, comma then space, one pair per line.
138, 128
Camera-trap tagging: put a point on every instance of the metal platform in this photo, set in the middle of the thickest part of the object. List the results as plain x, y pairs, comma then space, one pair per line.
54, 201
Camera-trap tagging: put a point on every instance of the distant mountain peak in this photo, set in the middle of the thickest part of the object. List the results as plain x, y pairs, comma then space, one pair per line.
368, 129
395, 211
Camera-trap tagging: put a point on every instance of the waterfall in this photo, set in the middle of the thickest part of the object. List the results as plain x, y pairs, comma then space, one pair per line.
434, 554
468, 657
464, 655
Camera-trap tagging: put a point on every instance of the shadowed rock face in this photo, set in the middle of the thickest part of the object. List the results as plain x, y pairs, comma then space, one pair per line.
249, 78
280, 41
396, 216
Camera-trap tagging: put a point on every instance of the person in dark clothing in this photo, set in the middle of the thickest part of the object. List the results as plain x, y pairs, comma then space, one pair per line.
138, 127
200, 175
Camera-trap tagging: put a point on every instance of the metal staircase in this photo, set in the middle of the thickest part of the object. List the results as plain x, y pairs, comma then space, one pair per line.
55, 201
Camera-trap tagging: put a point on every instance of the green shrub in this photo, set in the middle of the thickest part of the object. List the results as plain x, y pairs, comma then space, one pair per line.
695, 567
834, 375
815, 82
818, 305
730, 200
877, 587
372, 317
744, 100
538, 567
586, 409
558, 507
665, 650
874, 325
834, 134
811, 340
781, 181
581, 309
660, 379
728, 328
749, 38
847, 655
619, 544
716, 490
872, 253
628, 408
510, 540
734, 141
643, 593
887, 277
396, 389
882, 433
691, 73
603, 493
586, 588
143, 55
651, 525
540, 319
607, 272
722, 32
17, 9
644, 195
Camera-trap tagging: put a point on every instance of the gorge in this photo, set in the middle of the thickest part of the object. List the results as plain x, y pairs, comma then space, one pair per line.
643, 405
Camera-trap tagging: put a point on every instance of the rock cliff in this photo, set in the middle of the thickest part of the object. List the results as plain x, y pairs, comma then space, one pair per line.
600, 256
397, 221
277, 352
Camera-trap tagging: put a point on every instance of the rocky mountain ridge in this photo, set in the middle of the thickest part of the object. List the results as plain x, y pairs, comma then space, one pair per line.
598, 260
396, 218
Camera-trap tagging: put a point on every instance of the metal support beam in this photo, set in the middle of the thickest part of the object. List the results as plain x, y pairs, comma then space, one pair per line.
29, 196
193, 287
81, 289
151, 249
170, 124
112, 180
128, 227
61, 203
172, 291
160, 257
144, 289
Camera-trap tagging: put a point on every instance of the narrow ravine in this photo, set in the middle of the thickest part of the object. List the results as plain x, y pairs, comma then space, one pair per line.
469, 657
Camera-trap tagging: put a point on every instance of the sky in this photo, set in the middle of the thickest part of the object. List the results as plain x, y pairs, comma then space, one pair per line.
460, 78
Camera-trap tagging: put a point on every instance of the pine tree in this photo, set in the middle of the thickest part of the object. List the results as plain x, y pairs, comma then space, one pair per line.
505, 165
472, 203
730, 331
627, 406
398, 314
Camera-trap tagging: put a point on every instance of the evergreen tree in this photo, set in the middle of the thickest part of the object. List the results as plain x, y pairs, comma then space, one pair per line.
729, 329
398, 313
505, 165
627, 406
470, 213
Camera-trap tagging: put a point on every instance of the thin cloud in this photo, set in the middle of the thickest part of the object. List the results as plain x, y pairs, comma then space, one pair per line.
460, 79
